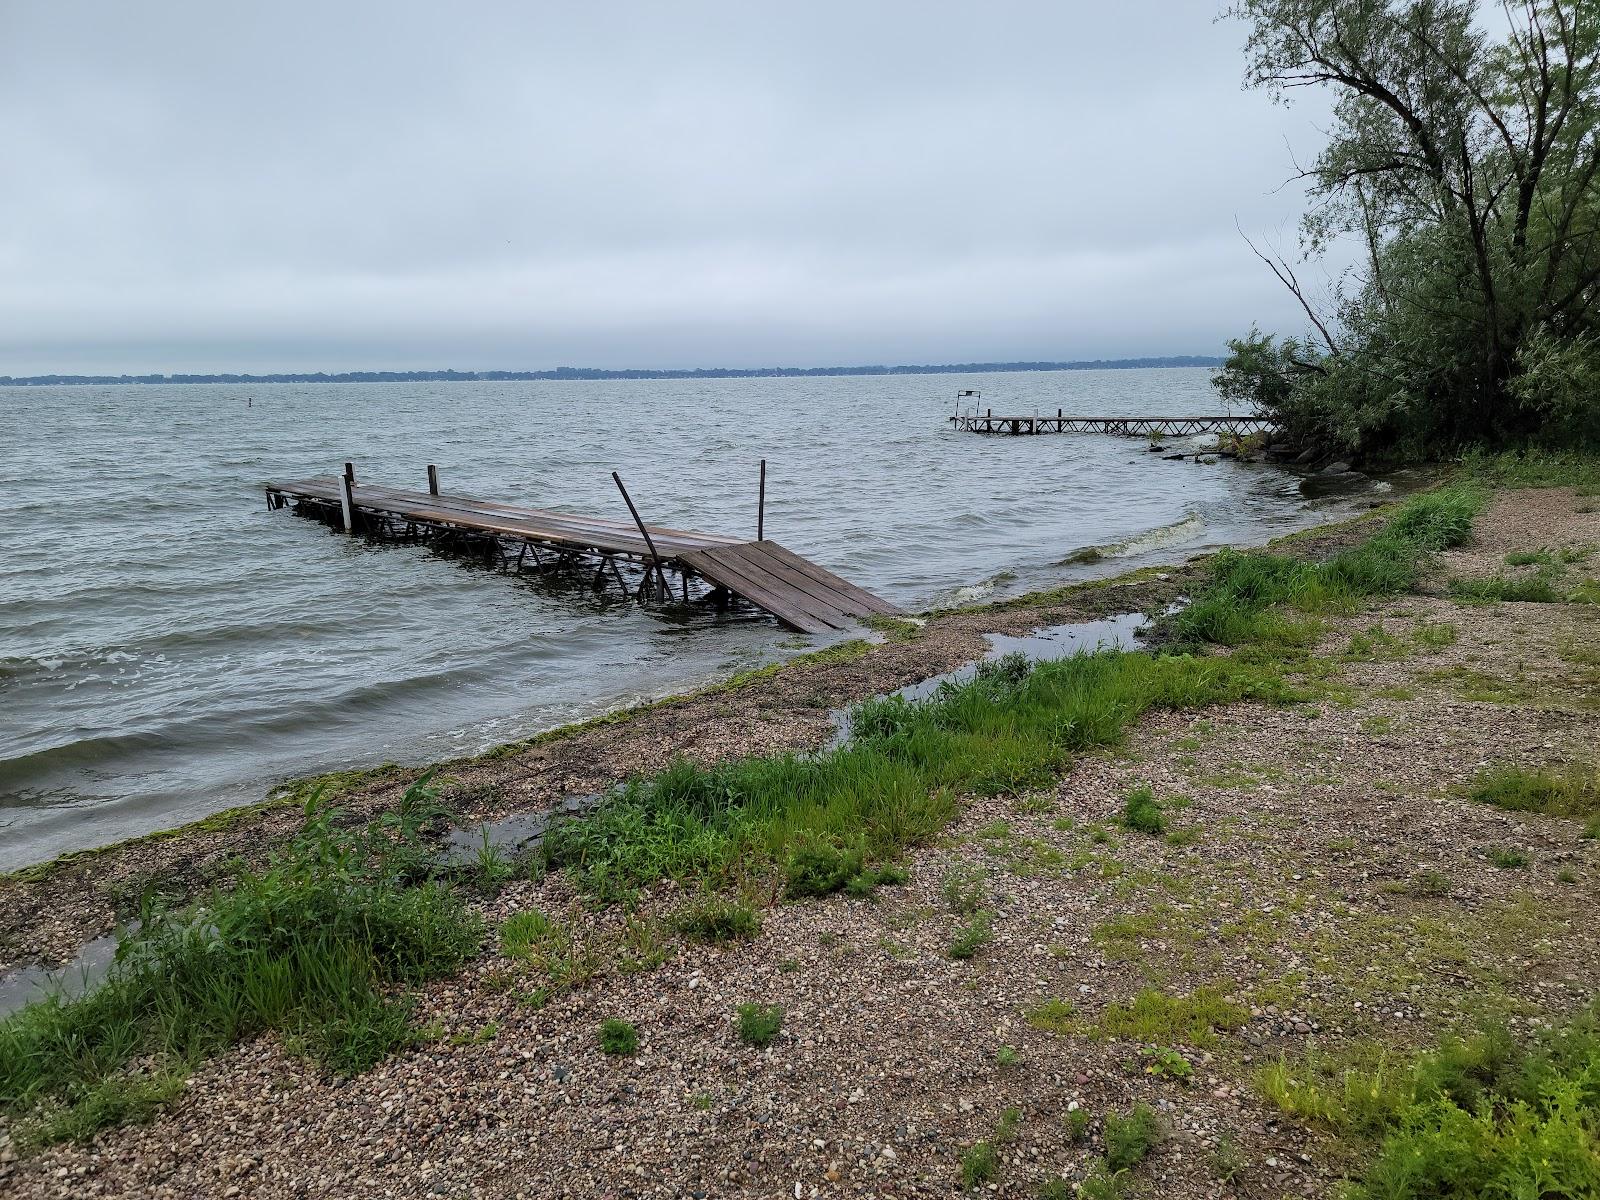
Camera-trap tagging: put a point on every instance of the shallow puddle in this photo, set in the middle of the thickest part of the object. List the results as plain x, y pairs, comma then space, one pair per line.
27, 984
514, 835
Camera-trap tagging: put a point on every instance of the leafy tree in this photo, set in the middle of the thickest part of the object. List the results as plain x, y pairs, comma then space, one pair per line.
1466, 166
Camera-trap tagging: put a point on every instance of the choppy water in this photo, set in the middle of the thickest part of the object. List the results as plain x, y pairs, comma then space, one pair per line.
169, 648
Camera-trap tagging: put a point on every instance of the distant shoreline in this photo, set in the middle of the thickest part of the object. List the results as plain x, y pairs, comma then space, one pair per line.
566, 373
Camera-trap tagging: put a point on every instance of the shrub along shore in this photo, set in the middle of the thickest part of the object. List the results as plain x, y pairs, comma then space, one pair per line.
326, 942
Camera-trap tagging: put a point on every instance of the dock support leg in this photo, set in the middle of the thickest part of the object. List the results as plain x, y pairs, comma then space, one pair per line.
655, 559
761, 504
347, 500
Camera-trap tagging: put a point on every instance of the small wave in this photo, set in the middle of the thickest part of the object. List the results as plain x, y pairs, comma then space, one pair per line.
1190, 527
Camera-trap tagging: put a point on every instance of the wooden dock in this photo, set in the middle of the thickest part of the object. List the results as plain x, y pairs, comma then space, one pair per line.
709, 568
1151, 427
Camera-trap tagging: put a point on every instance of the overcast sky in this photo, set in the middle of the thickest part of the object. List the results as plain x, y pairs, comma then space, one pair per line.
503, 183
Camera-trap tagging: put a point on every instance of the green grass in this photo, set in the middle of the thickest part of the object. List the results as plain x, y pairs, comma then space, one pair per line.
1537, 469
714, 919
1053, 1016
759, 1023
819, 819
1155, 1017
980, 1162
617, 1037
1531, 589
974, 936
1142, 812
1248, 597
319, 945
1574, 792
1130, 1138
1478, 1116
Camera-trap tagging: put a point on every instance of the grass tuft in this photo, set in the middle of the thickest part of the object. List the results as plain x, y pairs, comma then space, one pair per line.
618, 1037
759, 1023
1141, 811
319, 945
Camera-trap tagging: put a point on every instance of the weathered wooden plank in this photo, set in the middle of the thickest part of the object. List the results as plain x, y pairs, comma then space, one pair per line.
783, 607
755, 570
861, 596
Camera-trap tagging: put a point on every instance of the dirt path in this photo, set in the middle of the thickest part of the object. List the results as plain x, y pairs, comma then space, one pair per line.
1323, 871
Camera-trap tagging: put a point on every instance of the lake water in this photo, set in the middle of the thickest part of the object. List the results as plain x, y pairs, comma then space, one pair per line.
169, 648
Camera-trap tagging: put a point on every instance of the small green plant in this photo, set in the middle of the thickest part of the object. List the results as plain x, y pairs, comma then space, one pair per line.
1574, 792
491, 870
1187, 836
980, 1163
1053, 1016
1506, 857
819, 868
618, 1037
963, 890
1155, 1017
759, 1023
1079, 1122
712, 919
702, 1101
476, 1037
974, 936
1142, 812
1130, 1138
1007, 1057
1166, 1063
530, 934
1430, 883
1227, 1159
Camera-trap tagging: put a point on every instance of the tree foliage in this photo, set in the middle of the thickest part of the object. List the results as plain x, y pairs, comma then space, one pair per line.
1465, 166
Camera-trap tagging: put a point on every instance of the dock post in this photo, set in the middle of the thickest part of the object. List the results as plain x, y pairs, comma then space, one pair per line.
655, 558
761, 504
433, 480
347, 500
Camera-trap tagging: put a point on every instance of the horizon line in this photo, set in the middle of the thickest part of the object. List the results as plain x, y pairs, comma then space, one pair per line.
603, 373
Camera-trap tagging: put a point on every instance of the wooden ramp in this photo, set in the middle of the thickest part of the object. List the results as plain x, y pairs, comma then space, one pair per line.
796, 590
793, 589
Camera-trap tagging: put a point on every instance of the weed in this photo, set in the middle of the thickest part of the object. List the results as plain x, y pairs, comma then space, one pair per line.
1533, 589
1078, 1122
1506, 857
963, 890
320, 945
1430, 883
1227, 1159
491, 870
976, 934
981, 1161
645, 946
1154, 1016
759, 1023
618, 1037
1567, 875
1130, 1138
1006, 1057
819, 868
119, 1100
531, 934
1243, 600
476, 1037
1573, 793
1434, 635
1165, 1062
1530, 558
895, 783
713, 919
1187, 836
1054, 1016
1142, 812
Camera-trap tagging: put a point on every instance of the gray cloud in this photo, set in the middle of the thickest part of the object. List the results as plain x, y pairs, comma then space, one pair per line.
497, 184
